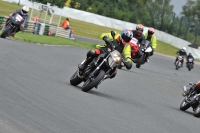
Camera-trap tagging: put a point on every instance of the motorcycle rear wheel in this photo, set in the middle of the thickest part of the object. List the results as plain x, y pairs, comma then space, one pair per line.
184, 105
197, 111
5, 32
90, 83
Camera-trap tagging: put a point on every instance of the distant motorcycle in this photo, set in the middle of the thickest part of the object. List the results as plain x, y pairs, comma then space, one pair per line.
178, 63
190, 63
97, 70
192, 99
12, 25
146, 49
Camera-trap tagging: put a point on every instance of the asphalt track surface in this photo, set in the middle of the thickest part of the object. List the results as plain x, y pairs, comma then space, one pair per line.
36, 96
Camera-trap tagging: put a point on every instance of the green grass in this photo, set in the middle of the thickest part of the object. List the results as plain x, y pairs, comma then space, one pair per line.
81, 28
31, 38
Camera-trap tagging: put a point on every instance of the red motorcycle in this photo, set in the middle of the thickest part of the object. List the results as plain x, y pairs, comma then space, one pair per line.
134, 47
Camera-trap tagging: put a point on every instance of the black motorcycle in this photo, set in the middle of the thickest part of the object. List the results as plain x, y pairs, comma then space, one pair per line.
190, 63
12, 25
99, 69
146, 49
192, 99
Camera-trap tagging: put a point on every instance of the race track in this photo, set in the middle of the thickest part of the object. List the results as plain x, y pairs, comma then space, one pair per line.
36, 96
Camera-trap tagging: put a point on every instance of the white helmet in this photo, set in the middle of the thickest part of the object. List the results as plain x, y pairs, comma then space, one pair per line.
184, 48
24, 10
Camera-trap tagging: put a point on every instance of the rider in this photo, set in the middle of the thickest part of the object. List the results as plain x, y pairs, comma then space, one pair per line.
195, 85
182, 52
152, 38
24, 13
138, 34
120, 43
189, 56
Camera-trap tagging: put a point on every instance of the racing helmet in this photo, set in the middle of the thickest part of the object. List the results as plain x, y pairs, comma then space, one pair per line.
24, 10
126, 36
151, 31
184, 48
139, 29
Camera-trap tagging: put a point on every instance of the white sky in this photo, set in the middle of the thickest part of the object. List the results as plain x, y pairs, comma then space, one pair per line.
178, 5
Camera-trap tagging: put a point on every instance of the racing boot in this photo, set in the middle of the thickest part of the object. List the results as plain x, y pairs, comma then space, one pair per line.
84, 64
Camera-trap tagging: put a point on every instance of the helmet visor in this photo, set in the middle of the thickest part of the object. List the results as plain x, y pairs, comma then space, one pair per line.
24, 12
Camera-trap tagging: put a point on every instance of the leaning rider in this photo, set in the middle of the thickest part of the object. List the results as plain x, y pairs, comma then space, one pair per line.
182, 52
22, 12
120, 43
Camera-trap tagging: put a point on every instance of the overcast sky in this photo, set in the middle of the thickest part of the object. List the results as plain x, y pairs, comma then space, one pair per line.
178, 5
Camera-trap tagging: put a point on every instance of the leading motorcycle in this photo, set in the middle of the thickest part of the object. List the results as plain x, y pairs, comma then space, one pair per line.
100, 68
12, 25
192, 98
178, 63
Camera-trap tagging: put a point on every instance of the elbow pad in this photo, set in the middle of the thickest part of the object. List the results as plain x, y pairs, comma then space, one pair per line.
107, 40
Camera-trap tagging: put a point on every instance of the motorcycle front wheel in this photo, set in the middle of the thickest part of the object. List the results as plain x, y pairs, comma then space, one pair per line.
75, 79
6, 31
92, 82
139, 61
184, 105
177, 65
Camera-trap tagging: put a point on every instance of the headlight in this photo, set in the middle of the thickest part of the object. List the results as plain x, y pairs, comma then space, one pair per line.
116, 58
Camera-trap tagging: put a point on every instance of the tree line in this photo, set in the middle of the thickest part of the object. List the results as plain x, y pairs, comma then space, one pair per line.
155, 13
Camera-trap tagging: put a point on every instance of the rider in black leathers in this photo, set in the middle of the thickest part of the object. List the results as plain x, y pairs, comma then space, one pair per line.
138, 34
188, 57
182, 52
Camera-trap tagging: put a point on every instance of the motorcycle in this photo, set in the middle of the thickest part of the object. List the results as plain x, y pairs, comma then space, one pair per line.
12, 25
146, 49
192, 99
190, 63
178, 63
99, 69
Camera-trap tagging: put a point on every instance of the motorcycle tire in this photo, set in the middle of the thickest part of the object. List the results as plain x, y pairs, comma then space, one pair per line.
139, 62
90, 83
177, 65
197, 111
184, 105
75, 79
6, 31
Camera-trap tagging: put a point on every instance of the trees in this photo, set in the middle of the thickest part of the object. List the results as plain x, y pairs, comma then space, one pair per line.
58, 3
